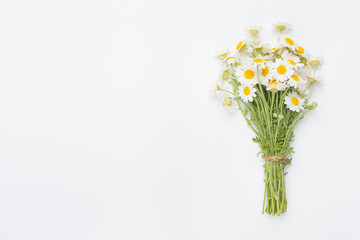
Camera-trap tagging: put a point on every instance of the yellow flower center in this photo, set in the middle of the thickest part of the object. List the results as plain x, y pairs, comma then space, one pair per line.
289, 41
230, 58
281, 27
249, 74
273, 83
265, 71
314, 63
292, 62
299, 50
295, 77
225, 75
295, 101
238, 47
281, 69
246, 90
227, 101
253, 32
258, 60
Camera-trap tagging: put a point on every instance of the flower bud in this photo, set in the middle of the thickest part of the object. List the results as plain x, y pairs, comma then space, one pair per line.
275, 115
314, 105
281, 116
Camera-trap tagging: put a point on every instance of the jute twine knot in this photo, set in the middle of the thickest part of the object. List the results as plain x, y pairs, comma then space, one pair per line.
275, 158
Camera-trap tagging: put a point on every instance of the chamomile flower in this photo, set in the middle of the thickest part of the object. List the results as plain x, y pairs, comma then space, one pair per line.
255, 44
314, 62
231, 59
222, 54
274, 49
282, 70
253, 30
294, 102
247, 93
222, 92
247, 74
295, 80
241, 46
299, 50
282, 27
313, 76
258, 61
303, 89
225, 76
292, 59
275, 85
264, 74
229, 103
287, 41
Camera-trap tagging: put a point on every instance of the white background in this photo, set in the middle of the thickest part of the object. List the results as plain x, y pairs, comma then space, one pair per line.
107, 129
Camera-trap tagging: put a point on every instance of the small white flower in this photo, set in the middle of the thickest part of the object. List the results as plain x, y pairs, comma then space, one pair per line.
247, 93
257, 61
274, 48
295, 80
294, 102
281, 70
229, 103
313, 76
247, 74
292, 59
275, 85
314, 62
225, 76
287, 41
299, 50
221, 91
282, 27
253, 30
255, 43
230, 60
302, 88
241, 45
264, 74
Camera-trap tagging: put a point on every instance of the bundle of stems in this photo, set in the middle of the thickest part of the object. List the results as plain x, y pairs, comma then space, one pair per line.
273, 125
271, 85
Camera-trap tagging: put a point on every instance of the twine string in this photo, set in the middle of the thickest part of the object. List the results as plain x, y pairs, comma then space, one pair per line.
275, 158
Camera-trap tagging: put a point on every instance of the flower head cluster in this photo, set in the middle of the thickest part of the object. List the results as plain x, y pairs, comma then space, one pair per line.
253, 66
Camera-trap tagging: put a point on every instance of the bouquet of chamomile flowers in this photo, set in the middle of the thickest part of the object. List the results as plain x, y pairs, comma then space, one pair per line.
271, 85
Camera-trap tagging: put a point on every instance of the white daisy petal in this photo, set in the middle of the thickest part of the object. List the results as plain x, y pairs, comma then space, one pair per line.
247, 93
247, 74
282, 70
282, 27
294, 102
